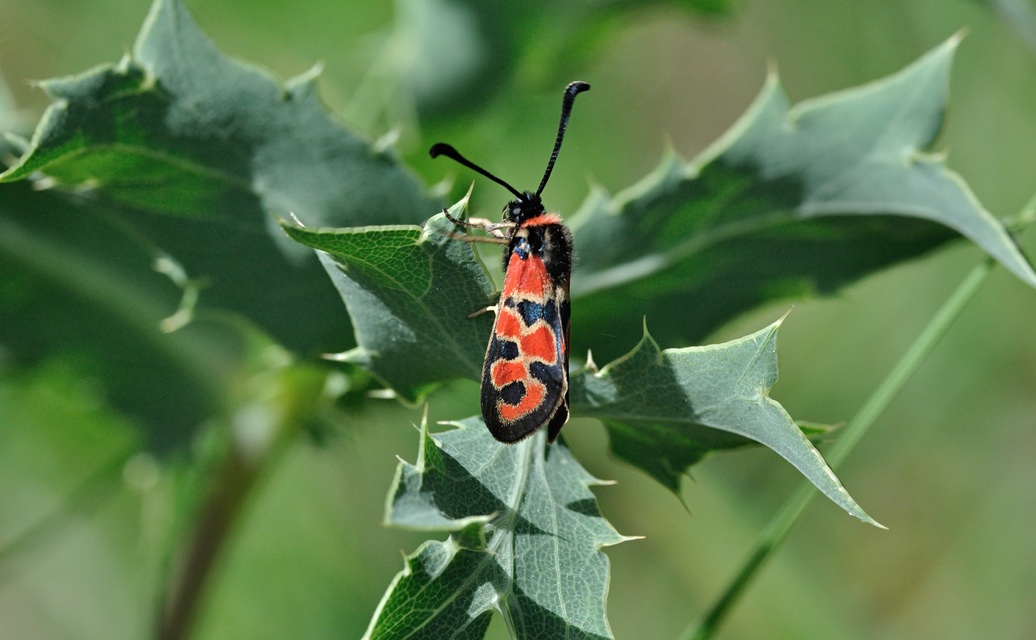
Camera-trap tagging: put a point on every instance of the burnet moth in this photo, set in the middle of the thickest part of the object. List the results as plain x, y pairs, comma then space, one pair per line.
525, 374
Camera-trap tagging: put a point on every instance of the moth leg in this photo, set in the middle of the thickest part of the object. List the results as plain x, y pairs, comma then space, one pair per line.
486, 239
480, 223
494, 308
470, 223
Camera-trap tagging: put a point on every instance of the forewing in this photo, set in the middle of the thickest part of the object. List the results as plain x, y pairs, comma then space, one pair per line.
525, 376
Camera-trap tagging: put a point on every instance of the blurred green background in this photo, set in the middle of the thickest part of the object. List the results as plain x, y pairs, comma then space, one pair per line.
949, 468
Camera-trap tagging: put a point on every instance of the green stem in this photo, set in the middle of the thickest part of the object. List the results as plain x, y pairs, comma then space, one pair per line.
778, 528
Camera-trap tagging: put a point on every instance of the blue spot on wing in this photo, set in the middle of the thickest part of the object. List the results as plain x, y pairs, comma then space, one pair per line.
533, 311
521, 247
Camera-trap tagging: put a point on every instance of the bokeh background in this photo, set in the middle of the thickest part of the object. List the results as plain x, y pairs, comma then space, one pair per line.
949, 468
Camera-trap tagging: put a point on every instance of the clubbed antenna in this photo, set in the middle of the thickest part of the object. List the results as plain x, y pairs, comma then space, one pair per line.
569, 98
443, 149
571, 91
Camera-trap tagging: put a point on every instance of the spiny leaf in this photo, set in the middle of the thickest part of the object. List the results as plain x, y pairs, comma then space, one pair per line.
193, 151
178, 128
664, 410
526, 538
409, 291
791, 200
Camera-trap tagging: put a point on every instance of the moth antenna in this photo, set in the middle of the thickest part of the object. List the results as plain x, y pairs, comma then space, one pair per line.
443, 149
571, 91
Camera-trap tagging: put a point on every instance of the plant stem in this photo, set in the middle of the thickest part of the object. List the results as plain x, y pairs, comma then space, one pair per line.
275, 402
233, 484
778, 528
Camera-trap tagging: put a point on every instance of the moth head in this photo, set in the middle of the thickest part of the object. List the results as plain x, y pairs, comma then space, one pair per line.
528, 205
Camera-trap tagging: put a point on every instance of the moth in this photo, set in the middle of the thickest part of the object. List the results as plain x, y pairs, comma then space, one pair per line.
525, 373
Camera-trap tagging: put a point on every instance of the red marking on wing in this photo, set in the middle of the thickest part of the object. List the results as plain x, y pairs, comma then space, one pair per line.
540, 344
508, 324
505, 372
526, 278
536, 343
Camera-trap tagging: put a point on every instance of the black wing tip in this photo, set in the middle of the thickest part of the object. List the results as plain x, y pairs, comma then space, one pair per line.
509, 434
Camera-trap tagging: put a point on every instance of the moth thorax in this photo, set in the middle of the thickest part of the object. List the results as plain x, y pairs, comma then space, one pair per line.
535, 238
552, 243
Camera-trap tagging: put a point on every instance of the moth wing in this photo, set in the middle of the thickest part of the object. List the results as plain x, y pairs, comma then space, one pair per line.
525, 375
561, 415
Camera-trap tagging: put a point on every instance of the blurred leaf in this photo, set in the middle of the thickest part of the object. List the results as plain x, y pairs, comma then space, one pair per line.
408, 291
526, 538
665, 410
180, 129
268, 402
1019, 15
455, 56
79, 289
10, 118
61, 456
203, 149
789, 201
75, 286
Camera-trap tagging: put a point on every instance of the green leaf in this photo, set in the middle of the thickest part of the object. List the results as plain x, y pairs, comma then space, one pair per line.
178, 128
810, 198
409, 291
76, 289
664, 410
194, 151
790, 201
526, 538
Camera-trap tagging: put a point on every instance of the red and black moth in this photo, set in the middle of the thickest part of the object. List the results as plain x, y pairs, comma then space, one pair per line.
525, 374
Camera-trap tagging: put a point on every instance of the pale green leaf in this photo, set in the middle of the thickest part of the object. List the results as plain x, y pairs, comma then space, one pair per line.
665, 409
526, 539
409, 291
